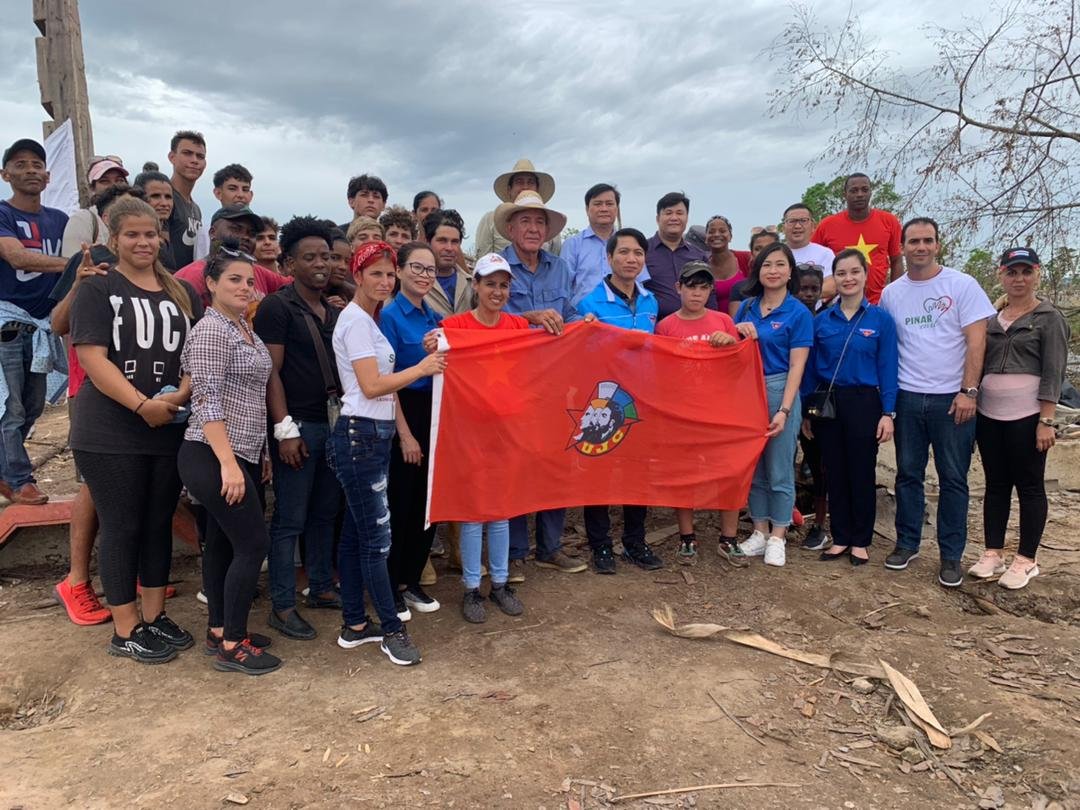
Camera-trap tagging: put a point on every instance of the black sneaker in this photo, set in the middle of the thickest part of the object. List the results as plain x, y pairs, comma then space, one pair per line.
400, 649
292, 626
472, 607
349, 639
603, 560
900, 558
402, 610
247, 658
317, 602
143, 646
171, 633
643, 557
949, 574
505, 597
815, 540
415, 597
256, 639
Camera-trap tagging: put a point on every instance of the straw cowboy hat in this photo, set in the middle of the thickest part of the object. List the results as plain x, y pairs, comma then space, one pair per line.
523, 166
528, 201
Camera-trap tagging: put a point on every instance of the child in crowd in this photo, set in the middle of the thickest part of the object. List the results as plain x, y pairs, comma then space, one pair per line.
811, 279
694, 322
491, 290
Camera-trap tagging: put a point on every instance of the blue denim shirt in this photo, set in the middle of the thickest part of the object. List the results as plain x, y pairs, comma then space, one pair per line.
404, 326
550, 287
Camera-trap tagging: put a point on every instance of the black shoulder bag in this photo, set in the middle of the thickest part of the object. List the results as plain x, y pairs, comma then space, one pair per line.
333, 394
822, 403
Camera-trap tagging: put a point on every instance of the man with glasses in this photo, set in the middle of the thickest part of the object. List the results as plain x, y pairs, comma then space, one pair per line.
86, 224
798, 225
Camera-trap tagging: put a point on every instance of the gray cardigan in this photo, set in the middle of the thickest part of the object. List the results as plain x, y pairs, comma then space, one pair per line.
1036, 343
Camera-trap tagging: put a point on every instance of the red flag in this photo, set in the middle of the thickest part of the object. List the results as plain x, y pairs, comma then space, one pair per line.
523, 421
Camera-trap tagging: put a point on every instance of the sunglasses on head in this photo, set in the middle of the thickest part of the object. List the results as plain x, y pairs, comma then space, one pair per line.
763, 229
237, 254
99, 158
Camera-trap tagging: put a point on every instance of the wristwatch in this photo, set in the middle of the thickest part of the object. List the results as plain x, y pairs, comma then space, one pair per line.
970, 392
890, 414
1046, 420
784, 411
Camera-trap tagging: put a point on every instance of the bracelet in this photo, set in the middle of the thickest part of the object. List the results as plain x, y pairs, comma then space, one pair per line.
141, 403
1047, 421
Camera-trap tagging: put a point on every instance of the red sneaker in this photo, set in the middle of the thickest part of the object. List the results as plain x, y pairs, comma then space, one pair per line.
170, 591
81, 603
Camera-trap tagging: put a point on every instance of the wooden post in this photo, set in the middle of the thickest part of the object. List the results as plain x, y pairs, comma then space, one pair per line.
62, 78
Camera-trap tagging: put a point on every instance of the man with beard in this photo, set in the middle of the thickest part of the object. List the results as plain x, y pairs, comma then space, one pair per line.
306, 491
444, 229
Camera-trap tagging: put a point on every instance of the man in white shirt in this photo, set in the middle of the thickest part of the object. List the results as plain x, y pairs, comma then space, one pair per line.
940, 317
798, 225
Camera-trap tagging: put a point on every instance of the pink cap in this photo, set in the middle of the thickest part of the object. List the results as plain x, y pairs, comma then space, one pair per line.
98, 169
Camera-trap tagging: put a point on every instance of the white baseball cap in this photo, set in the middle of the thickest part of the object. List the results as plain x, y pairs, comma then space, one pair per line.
491, 263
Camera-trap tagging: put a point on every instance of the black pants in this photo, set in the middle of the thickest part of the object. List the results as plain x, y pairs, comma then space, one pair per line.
410, 542
811, 449
598, 526
236, 538
135, 497
849, 453
1010, 459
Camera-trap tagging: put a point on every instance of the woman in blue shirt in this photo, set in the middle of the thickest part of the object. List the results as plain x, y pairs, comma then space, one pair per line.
404, 322
784, 329
863, 379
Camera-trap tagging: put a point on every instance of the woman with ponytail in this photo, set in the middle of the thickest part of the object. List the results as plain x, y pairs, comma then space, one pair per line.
128, 328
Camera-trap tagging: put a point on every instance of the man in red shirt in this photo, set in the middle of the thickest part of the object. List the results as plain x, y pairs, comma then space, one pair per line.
240, 223
873, 232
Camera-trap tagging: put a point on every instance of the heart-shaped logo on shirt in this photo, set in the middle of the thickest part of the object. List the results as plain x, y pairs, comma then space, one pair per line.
938, 306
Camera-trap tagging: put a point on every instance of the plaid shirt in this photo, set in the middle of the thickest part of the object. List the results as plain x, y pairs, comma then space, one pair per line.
228, 382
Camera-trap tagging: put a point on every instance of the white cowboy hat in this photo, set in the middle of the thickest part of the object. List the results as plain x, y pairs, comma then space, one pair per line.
523, 166
528, 201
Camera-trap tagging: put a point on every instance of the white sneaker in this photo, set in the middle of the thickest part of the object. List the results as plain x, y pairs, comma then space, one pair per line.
200, 596
754, 545
989, 565
774, 552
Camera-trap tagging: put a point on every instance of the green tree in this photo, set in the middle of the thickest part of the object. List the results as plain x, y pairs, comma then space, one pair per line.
569, 231
824, 199
982, 266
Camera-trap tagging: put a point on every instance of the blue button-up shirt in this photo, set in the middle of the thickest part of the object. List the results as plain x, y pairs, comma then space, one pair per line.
789, 326
586, 253
612, 307
871, 359
550, 287
404, 326
664, 265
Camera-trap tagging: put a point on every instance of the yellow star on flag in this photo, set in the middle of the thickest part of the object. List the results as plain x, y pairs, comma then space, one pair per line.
863, 248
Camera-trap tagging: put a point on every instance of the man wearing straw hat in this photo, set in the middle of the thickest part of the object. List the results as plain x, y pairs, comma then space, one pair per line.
540, 291
508, 185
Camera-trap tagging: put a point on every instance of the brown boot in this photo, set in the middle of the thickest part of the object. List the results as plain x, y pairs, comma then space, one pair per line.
30, 495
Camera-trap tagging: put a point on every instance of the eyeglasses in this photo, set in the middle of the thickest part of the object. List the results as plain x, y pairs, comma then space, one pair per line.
99, 158
763, 229
418, 269
237, 254
796, 221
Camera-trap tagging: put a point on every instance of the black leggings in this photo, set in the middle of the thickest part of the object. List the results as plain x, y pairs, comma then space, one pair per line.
410, 542
236, 538
135, 497
1010, 459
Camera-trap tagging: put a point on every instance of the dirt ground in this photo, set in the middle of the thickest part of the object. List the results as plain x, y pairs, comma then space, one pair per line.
582, 700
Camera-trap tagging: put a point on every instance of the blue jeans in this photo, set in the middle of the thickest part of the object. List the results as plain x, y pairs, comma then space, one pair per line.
359, 453
549, 529
25, 402
472, 540
772, 492
305, 502
922, 422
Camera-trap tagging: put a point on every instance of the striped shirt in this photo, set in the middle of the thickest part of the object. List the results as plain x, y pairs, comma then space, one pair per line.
228, 382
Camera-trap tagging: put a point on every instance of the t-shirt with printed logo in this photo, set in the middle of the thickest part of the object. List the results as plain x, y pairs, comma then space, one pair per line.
930, 318
144, 333
877, 237
184, 224
39, 232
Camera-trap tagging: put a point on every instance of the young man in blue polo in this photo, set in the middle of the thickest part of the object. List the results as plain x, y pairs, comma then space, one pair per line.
620, 300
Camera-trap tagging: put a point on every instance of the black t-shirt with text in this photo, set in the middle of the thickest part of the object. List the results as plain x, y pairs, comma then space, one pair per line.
280, 319
144, 333
184, 224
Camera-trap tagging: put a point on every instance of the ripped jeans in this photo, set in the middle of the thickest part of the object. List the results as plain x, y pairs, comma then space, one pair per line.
359, 454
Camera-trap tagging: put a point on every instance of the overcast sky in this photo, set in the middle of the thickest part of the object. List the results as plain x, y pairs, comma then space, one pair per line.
652, 97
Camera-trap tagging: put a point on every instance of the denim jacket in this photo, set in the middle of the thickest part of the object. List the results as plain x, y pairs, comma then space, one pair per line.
1036, 343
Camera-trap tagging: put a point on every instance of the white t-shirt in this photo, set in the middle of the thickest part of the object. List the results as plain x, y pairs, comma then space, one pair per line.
930, 317
813, 253
357, 336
